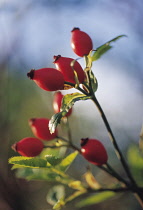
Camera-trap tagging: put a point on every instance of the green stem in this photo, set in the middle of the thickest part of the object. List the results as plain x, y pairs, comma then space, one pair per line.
69, 130
78, 88
70, 144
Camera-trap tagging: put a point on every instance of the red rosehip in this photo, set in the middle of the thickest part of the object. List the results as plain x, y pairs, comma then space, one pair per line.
57, 101
93, 151
40, 128
48, 79
81, 42
63, 64
29, 147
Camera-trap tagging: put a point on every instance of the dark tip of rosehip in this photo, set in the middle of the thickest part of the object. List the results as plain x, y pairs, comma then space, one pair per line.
83, 141
75, 28
30, 74
14, 147
31, 121
56, 57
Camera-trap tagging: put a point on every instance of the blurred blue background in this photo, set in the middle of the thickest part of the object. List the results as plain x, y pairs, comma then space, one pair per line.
32, 32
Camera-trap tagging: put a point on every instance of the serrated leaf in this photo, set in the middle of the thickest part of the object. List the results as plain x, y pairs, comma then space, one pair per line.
94, 199
28, 162
53, 160
67, 102
103, 48
66, 162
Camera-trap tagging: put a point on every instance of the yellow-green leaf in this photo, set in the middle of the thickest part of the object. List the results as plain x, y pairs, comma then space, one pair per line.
66, 162
103, 48
96, 198
91, 181
135, 159
28, 161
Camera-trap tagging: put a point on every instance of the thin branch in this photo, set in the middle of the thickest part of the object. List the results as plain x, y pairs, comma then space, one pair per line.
114, 142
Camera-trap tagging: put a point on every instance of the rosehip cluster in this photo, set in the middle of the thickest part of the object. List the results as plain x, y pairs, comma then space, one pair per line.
65, 75
31, 147
51, 79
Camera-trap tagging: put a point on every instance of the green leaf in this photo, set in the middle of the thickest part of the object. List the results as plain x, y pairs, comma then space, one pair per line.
55, 120
67, 102
135, 159
103, 48
53, 160
47, 174
28, 162
37, 174
66, 162
94, 199
93, 80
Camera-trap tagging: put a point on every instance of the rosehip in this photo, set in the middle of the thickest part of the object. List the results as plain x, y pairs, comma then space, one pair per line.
58, 97
63, 64
81, 42
29, 147
48, 79
93, 151
40, 128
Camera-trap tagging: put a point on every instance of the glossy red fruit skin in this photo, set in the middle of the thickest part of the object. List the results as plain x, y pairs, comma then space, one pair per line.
63, 64
81, 42
40, 128
57, 101
29, 147
48, 79
94, 151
